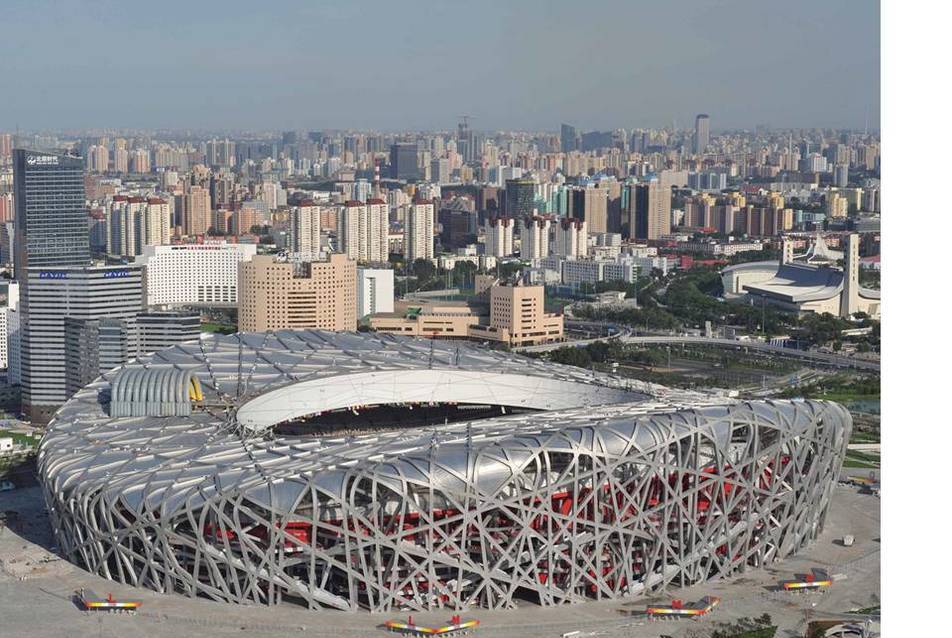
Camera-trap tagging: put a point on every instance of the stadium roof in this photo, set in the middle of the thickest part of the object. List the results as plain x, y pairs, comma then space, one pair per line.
253, 381
800, 282
220, 502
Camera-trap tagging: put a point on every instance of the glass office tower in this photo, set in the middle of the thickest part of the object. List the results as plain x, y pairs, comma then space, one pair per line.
51, 221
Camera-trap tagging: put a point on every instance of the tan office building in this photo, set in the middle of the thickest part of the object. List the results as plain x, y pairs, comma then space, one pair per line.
649, 210
519, 312
196, 210
589, 203
430, 318
274, 294
516, 316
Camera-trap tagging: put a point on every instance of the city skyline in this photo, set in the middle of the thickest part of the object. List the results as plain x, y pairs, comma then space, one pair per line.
393, 67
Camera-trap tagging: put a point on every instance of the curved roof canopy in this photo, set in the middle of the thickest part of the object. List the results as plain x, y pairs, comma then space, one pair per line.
154, 391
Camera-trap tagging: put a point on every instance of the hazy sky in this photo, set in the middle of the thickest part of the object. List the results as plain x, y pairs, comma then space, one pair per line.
417, 64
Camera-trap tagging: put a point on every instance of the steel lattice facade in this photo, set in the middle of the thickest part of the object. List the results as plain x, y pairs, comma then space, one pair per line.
615, 489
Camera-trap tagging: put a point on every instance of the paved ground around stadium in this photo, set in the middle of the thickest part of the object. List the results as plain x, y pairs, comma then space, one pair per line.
36, 590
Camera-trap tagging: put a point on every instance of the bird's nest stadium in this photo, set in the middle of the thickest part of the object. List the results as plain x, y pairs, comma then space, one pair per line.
357, 470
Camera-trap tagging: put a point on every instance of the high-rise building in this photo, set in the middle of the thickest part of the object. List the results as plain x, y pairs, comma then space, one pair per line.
520, 198
139, 161
196, 210
699, 211
589, 203
7, 245
96, 346
304, 225
11, 334
458, 223
418, 231
363, 230
440, 170
156, 330
374, 291
614, 213
535, 238
757, 221
52, 229
702, 133
6, 208
93, 347
97, 159
571, 238
813, 163
569, 138
132, 223
221, 189
649, 210
499, 236
404, 163
466, 141
836, 205
120, 163
842, 175
9, 301
6, 146
52, 295
275, 295
193, 274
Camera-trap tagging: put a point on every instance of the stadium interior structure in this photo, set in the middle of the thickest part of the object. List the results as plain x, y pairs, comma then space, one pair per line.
239, 468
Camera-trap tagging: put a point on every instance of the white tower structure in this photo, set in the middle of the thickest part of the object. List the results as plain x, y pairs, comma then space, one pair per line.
849, 299
535, 243
499, 236
571, 238
306, 230
418, 231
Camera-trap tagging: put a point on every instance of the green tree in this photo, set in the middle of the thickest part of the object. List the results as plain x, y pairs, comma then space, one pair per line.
568, 355
599, 351
423, 269
464, 273
509, 269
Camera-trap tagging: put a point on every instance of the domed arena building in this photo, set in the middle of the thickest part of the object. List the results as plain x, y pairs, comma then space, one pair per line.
359, 470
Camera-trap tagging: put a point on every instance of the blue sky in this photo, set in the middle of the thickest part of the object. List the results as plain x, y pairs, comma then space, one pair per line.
418, 64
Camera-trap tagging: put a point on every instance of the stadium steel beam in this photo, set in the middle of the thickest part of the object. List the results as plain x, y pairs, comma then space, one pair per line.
615, 489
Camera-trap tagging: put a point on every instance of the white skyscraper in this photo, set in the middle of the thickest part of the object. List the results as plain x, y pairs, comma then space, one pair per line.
418, 231
132, 223
9, 331
364, 230
305, 230
535, 240
498, 232
374, 291
571, 238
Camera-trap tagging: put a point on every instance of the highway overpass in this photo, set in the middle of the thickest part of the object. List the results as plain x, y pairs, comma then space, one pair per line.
815, 358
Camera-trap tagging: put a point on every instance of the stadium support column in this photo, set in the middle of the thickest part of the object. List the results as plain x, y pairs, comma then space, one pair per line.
849, 299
